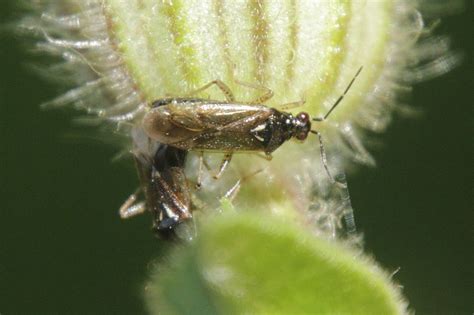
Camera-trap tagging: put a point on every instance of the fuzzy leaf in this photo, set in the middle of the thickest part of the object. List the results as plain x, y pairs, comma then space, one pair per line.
243, 264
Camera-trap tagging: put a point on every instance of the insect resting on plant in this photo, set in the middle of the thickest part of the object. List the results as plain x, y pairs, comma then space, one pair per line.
211, 125
163, 183
165, 188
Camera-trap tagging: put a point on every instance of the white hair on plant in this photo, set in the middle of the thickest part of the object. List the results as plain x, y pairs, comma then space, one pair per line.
119, 56
83, 40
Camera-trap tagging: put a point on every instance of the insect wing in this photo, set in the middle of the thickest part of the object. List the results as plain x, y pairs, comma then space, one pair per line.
214, 116
213, 126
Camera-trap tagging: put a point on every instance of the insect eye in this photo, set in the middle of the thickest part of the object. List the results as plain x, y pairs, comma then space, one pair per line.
303, 117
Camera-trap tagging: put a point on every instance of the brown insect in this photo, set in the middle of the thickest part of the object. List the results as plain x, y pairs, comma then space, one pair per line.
211, 125
165, 188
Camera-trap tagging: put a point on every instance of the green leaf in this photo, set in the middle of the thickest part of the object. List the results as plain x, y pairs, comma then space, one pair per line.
247, 264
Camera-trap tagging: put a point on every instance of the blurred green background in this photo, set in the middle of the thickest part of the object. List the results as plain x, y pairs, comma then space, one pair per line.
64, 250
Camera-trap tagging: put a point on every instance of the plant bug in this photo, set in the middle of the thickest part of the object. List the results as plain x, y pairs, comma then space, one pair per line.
210, 125
165, 187
163, 183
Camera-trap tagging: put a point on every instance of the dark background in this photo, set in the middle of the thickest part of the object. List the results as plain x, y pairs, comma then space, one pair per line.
63, 248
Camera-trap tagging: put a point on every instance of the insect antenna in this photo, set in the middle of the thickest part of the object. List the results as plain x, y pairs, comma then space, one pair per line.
323, 155
340, 97
321, 145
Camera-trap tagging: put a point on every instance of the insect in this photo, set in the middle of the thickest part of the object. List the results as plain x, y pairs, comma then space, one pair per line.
165, 188
210, 125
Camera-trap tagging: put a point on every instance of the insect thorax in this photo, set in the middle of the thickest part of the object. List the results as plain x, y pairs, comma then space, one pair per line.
277, 129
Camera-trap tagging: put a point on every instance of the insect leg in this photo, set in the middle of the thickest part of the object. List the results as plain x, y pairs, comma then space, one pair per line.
291, 105
200, 170
133, 210
206, 165
262, 98
224, 164
221, 85
266, 156
234, 190
323, 155
129, 208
